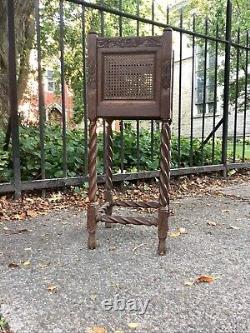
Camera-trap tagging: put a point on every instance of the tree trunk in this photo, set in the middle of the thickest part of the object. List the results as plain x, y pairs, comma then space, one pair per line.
24, 23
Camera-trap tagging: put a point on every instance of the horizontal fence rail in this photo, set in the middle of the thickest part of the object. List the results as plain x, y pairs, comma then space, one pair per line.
46, 146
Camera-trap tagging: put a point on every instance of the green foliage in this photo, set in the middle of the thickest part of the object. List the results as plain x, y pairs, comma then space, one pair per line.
31, 158
3, 324
75, 52
215, 13
5, 158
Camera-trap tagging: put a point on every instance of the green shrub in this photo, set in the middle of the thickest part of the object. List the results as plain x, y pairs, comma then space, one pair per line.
31, 156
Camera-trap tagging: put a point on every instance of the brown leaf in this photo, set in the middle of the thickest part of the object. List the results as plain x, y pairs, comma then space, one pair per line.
16, 232
212, 223
204, 278
31, 213
21, 216
13, 265
52, 289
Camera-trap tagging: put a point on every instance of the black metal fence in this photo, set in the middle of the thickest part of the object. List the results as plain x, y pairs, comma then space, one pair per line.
211, 118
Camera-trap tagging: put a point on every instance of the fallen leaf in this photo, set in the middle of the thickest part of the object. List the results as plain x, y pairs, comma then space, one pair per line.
182, 231
13, 265
225, 210
21, 216
97, 329
26, 263
233, 227
16, 232
133, 325
52, 289
137, 247
231, 172
174, 233
31, 213
212, 223
112, 248
44, 264
204, 278
188, 283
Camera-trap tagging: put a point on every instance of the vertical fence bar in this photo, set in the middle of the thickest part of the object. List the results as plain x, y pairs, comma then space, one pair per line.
172, 86
152, 121
236, 97
245, 101
215, 90
84, 91
180, 92
168, 14
192, 97
204, 94
138, 121
13, 104
122, 123
226, 85
41, 104
62, 27
103, 121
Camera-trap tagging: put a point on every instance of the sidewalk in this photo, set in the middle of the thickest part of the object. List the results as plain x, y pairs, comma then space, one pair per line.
61, 287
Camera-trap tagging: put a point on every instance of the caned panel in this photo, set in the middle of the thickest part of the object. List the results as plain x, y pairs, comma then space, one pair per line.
129, 76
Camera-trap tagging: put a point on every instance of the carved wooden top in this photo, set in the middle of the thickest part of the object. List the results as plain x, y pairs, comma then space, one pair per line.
129, 77
152, 41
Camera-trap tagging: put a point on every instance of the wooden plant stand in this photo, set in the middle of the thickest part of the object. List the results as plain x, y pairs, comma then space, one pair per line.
128, 78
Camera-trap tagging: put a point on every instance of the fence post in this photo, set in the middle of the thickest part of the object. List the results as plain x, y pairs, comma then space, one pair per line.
226, 85
13, 105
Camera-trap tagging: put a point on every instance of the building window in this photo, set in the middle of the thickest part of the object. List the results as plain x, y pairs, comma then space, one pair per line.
204, 105
50, 80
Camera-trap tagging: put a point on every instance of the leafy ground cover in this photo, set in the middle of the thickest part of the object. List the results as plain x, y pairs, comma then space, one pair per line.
32, 204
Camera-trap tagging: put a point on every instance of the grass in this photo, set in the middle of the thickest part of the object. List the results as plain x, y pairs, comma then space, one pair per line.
4, 327
239, 148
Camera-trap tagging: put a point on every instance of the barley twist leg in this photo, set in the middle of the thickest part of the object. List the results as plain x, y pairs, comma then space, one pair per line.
163, 213
92, 207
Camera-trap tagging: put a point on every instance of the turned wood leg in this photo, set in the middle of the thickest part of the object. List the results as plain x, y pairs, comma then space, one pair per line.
163, 213
92, 207
108, 170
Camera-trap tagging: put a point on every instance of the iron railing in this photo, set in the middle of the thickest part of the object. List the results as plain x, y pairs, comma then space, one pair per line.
187, 40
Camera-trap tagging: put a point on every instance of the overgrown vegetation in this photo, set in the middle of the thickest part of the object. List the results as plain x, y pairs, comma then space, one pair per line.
30, 152
4, 327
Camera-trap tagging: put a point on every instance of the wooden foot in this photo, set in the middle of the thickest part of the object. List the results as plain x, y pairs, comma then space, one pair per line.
91, 225
91, 242
162, 229
162, 247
